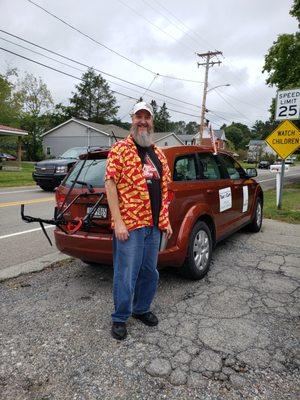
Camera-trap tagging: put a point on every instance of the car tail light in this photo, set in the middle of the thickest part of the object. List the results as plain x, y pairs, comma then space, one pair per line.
60, 198
170, 196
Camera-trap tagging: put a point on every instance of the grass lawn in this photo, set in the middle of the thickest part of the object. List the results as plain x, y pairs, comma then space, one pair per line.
290, 211
17, 178
247, 165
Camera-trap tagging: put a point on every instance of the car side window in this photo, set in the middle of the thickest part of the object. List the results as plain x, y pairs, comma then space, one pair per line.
208, 166
233, 168
185, 168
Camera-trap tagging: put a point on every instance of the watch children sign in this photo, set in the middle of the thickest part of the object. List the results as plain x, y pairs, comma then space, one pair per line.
285, 139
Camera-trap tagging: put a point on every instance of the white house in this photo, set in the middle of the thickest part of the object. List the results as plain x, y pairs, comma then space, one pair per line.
257, 149
79, 133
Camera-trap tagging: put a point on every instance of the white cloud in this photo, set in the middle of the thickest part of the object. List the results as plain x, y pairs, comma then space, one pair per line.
243, 30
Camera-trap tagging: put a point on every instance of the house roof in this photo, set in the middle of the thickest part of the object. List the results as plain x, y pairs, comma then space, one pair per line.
219, 134
256, 143
185, 137
105, 129
163, 135
8, 130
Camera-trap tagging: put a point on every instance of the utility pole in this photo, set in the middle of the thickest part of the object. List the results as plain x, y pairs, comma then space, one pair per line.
208, 63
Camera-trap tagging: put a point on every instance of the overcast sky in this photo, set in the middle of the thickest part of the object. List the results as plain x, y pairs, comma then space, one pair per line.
161, 36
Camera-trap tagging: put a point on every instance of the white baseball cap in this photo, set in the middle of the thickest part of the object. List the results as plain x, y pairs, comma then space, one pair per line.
142, 105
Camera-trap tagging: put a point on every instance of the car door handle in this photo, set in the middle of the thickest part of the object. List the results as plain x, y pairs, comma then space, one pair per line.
209, 191
236, 187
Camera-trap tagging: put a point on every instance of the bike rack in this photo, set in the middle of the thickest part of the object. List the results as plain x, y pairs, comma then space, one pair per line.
69, 227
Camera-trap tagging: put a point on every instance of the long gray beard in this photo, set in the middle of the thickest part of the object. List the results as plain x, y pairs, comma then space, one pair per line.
144, 139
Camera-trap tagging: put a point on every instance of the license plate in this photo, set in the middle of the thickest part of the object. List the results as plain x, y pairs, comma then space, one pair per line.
100, 213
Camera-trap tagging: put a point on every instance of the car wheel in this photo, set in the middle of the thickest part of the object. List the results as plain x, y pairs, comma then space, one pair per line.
47, 188
256, 223
91, 263
199, 254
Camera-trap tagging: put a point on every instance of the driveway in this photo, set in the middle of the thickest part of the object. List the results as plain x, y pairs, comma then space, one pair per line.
233, 335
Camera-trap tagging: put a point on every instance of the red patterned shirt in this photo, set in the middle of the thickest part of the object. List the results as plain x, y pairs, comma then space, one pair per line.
124, 166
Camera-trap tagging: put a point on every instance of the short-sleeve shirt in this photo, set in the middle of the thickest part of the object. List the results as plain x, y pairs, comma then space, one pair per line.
125, 167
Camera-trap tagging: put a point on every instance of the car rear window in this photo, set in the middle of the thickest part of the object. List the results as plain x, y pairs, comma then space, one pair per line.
93, 173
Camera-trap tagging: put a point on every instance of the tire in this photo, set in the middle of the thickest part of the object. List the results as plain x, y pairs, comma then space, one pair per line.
199, 253
91, 263
47, 188
256, 223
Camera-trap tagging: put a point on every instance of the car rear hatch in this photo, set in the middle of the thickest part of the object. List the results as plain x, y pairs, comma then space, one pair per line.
89, 183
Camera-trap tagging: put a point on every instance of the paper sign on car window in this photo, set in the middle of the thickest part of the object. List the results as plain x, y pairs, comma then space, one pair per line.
225, 199
245, 198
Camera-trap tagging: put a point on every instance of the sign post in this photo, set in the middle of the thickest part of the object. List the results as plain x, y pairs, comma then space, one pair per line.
285, 139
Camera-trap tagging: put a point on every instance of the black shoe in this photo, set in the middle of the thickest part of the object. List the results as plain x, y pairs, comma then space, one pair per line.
148, 318
118, 330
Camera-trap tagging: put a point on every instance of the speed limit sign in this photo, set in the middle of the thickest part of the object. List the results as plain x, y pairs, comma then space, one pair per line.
288, 104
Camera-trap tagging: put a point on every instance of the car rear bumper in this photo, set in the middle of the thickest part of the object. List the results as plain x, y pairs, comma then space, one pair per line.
97, 248
48, 180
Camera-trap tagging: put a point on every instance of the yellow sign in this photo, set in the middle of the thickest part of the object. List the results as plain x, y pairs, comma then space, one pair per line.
285, 139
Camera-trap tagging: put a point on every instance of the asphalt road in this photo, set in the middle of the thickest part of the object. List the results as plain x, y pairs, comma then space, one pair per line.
231, 336
21, 242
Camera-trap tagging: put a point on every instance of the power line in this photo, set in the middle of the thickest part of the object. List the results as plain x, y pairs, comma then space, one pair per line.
168, 19
151, 23
101, 44
219, 94
177, 19
78, 69
96, 69
90, 37
41, 54
57, 70
219, 116
76, 77
242, 101
196, 34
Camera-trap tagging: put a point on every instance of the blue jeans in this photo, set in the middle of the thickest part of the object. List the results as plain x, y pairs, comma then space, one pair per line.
135, 272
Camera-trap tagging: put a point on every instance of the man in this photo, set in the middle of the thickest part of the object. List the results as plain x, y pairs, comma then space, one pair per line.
136, 181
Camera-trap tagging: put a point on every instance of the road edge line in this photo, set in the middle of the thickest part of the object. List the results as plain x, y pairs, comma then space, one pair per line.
35, 265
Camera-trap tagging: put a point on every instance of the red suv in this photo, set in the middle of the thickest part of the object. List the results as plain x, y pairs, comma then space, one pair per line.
211, 197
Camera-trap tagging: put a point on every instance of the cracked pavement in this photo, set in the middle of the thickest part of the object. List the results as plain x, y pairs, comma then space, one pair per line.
233, 335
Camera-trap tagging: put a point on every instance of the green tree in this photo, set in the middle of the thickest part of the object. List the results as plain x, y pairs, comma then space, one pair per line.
36, 102
93, 100
295, 10
281, 62
162, 121
178, 127
10, 103
192, 128
261, 130
155, 109
239, 134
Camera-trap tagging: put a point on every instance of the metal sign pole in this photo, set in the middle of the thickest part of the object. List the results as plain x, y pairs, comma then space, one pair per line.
281, 184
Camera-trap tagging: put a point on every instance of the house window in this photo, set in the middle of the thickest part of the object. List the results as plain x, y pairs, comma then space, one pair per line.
166, 143
48, 151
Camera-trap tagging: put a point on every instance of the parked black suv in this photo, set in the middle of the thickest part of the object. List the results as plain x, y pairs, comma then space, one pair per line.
264, 164
48, 174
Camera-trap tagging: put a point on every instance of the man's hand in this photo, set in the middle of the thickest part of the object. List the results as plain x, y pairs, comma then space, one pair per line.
168, 231
121, 231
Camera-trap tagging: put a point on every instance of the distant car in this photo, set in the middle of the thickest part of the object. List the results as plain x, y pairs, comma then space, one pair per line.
48, 174
290, 160
211, 197
7, 157
264, 165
